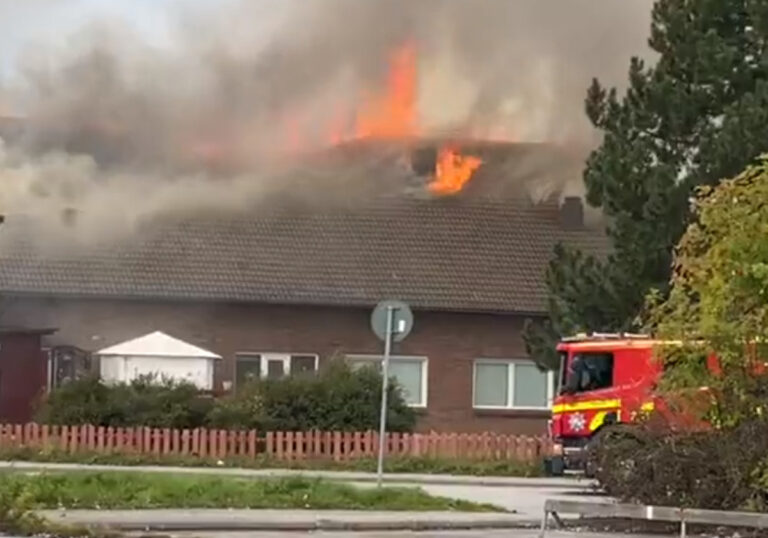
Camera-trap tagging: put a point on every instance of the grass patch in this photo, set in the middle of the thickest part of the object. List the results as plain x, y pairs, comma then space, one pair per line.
509, 468
17, 517
121, 490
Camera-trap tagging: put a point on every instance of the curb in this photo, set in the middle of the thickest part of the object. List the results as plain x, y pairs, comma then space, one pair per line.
319, 524
337, 476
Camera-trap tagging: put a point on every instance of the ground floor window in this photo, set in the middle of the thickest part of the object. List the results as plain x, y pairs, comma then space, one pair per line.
410, 373
511, 384
249, 366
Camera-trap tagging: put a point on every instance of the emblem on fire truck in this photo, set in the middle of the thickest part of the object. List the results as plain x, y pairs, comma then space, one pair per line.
577, 422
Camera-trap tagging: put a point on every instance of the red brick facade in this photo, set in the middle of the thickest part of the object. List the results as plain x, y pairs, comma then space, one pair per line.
450, 341
23, 374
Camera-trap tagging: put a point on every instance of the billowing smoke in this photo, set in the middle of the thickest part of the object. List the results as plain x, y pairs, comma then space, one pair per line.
121, 130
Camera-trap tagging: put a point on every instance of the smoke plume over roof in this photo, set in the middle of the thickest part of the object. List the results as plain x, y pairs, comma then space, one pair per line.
122, 130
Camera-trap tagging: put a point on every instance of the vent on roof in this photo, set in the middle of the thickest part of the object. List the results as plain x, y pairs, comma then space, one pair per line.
423, 160
572, 213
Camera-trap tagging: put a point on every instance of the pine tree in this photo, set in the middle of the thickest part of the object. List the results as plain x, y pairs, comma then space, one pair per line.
696, 116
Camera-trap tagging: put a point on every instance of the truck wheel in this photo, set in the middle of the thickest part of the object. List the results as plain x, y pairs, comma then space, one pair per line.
554, 466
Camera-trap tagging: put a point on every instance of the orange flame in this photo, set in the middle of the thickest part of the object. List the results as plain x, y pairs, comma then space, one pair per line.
453, 171
394, 113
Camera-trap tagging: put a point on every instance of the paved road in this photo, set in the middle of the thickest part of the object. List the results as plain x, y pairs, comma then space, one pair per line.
526, 501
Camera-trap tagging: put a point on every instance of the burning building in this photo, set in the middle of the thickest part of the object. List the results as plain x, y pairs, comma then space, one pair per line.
269, 246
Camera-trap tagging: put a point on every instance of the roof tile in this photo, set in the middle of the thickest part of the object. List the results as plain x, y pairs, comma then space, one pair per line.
473, 255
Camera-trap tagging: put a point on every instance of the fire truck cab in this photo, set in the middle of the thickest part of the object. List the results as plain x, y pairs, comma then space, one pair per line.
605, 379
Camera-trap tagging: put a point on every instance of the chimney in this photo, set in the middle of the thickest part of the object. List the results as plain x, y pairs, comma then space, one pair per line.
572, 213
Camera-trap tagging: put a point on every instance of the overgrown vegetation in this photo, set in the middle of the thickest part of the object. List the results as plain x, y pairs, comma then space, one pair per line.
338, 398
123, 490
718, 303
17, 517
720, 470
147, 401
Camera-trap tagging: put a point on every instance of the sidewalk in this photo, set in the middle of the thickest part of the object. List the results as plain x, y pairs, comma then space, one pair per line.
284, 520
342, 476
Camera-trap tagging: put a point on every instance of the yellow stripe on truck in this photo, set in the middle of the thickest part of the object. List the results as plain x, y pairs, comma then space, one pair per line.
586, 406
597, 420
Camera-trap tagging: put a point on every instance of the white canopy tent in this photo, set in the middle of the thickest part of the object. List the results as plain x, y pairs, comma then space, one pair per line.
161, 355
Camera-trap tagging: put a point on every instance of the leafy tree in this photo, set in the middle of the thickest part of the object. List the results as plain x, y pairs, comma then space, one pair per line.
696, 116
719, 300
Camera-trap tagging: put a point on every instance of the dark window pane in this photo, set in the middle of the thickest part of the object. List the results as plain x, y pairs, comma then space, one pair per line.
247, 369
275, 369
301, 364
590, 371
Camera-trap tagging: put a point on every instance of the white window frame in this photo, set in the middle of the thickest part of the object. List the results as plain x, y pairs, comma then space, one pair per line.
265, 357
394, 358
510, 364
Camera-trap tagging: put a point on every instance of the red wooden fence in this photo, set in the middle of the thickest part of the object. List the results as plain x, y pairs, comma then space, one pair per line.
221, 444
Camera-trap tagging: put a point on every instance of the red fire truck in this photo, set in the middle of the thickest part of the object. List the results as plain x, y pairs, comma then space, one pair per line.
605, 379
608, 379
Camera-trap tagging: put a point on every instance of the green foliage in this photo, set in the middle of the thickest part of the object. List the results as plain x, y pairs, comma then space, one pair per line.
15, 516
697, 116
143, 402
718, 300
124, 490
717, 303
338, 398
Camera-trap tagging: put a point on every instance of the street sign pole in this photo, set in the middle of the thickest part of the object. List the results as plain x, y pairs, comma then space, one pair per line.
384, 387
391, 321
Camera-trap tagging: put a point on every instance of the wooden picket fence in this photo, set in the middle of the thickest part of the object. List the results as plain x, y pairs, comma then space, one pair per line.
287, 446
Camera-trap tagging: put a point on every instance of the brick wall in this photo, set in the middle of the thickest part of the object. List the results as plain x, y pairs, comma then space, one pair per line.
450, 341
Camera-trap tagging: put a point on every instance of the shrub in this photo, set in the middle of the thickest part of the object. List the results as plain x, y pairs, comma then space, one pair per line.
338, 398
722, 469
15, 516
143, 402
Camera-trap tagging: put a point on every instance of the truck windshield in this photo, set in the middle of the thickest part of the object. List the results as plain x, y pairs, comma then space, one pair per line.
589, 371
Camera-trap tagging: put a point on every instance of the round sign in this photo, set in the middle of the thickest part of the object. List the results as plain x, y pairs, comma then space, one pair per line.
402, 320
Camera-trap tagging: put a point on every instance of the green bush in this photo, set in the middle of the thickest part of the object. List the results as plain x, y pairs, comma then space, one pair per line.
338, 398
15, 516
143, 402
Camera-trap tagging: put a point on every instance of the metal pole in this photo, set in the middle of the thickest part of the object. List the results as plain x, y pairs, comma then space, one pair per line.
384, 387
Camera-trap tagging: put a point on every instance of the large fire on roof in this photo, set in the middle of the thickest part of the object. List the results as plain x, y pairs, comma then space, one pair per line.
388, 113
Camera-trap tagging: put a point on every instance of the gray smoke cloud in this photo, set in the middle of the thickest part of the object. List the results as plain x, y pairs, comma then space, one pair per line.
124, 130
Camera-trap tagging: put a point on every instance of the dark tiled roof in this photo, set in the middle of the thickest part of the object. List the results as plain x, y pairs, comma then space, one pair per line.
448, 254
